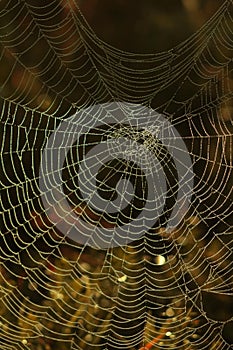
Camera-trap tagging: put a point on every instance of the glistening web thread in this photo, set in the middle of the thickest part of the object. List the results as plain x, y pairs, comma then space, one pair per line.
66, 282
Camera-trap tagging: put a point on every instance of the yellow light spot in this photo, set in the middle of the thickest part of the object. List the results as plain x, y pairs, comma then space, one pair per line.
168, 334
160, 260
122, 278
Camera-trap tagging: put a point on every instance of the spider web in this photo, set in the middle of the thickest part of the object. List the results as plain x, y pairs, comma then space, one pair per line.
165, 288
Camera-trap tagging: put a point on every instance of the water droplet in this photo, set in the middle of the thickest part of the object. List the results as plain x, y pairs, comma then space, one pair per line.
170, 312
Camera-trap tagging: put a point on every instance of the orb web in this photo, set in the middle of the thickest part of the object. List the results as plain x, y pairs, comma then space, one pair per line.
166, 287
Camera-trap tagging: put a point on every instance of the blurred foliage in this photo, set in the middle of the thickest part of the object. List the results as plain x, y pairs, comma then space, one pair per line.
147, 26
